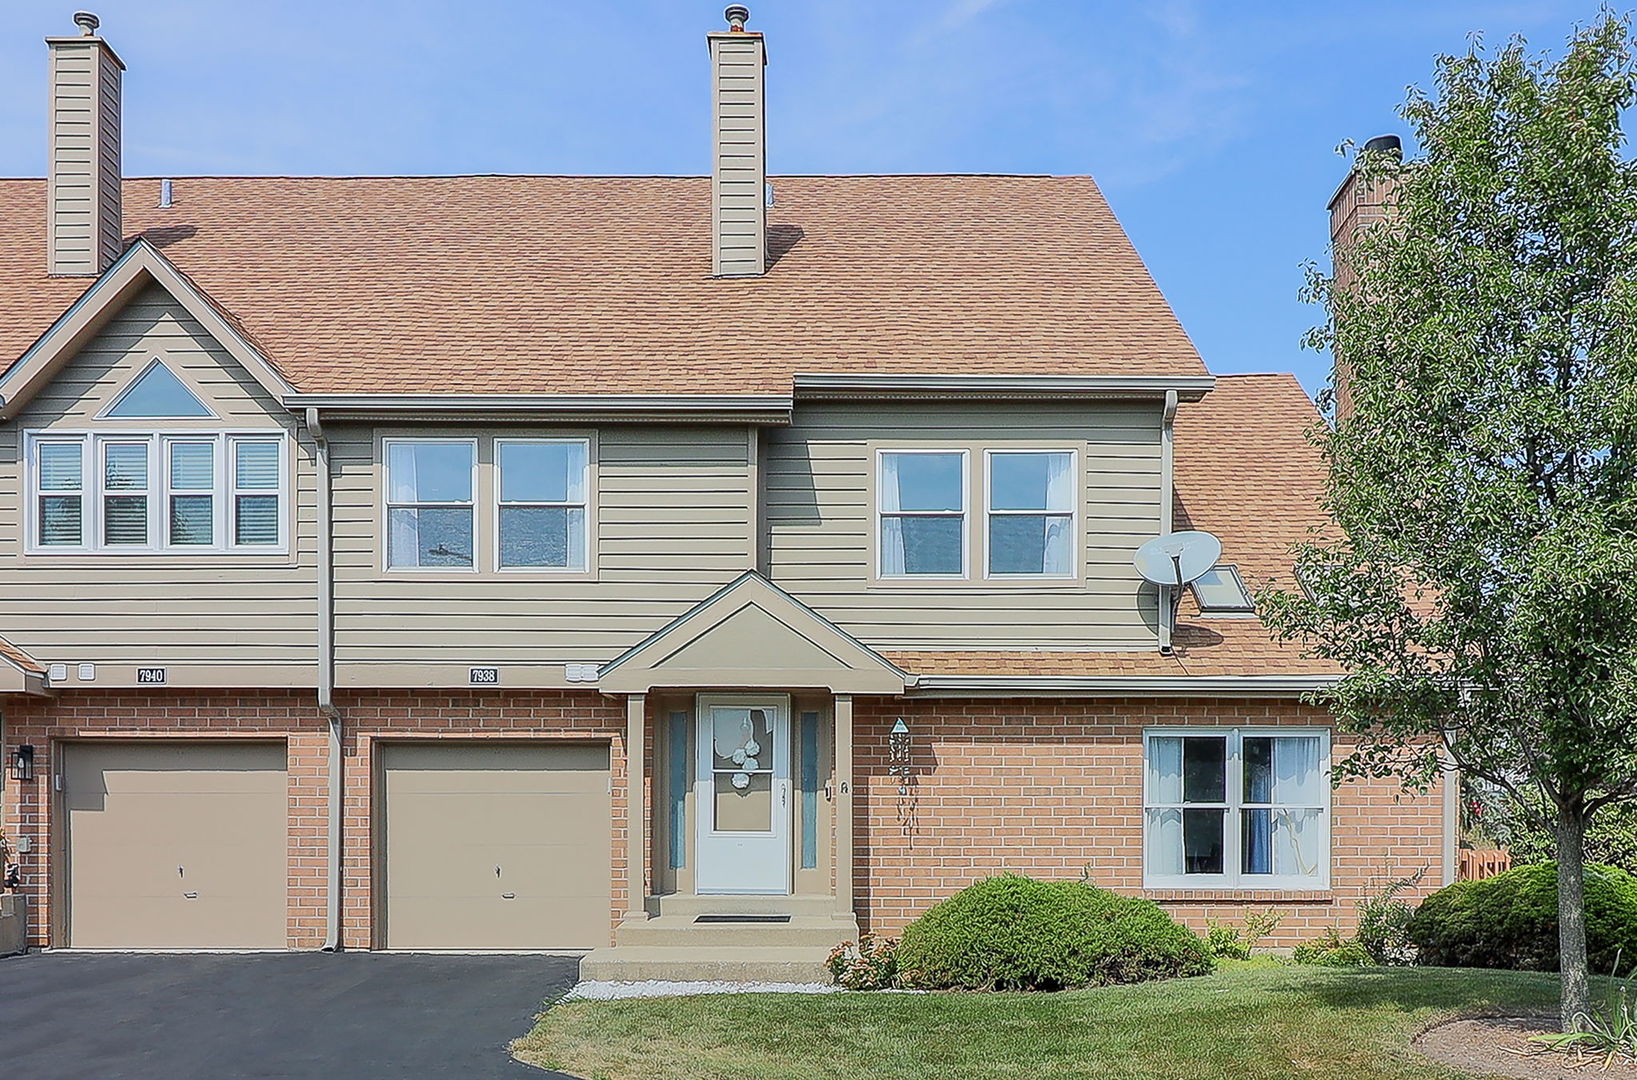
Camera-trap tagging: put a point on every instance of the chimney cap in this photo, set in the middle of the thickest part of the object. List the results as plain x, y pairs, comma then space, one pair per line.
737, 15
1384, 144
87, 22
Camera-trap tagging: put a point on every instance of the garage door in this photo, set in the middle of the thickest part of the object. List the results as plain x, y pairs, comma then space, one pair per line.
176, 845
496, 846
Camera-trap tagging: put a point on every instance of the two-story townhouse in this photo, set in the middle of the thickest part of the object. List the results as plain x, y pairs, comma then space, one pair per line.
699, 566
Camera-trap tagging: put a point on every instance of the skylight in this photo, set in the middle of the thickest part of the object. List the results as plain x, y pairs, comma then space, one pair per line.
1219, 590
157, 394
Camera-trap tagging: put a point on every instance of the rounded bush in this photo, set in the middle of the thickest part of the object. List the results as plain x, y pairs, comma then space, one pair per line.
1510, 921
1016, 933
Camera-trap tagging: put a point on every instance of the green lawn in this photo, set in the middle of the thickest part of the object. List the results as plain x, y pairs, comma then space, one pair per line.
1248, 1022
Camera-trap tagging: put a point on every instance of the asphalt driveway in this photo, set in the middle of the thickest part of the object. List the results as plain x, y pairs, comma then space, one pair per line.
358, 1016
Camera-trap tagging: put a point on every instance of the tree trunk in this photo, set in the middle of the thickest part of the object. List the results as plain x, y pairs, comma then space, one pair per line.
1571, 916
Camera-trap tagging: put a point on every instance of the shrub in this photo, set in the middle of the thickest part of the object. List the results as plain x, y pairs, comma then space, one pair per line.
1232, 943
871, 963
1015, 933
1226, 942
1510, 920
1332, 950
1384, 922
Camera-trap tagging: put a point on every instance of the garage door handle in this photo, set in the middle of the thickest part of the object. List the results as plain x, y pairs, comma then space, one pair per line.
190, 895
508, 896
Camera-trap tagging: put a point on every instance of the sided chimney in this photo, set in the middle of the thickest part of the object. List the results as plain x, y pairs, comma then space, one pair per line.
1353, 208
739, 156
84, 234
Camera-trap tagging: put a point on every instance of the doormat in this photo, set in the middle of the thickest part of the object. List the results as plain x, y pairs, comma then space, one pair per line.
742, 918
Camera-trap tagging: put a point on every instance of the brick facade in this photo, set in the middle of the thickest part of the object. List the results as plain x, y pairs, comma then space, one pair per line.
1054, 788
1044, 787
293, 717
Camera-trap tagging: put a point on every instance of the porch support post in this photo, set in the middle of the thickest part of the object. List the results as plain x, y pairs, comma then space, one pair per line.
636, 813
844, 805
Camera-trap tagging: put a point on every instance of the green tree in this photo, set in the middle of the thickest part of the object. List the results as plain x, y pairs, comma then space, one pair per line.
1479, 585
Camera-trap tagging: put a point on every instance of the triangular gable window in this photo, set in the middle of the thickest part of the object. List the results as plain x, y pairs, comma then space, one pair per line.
157, 394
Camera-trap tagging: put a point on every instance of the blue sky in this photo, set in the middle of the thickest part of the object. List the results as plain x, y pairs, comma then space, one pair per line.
1211, 126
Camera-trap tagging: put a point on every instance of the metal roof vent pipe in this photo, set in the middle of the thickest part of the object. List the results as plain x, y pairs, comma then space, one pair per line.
165, 193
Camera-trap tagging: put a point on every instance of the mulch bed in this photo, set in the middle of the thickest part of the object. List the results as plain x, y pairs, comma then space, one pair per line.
1500, 1046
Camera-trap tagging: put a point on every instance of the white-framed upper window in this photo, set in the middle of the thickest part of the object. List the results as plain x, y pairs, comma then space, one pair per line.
541, 520
430, 489
153, 492
1244, 808
921, 513
1031, 496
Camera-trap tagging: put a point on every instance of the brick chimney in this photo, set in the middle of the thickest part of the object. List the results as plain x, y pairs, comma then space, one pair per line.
1354, 207
739, 149
84, 234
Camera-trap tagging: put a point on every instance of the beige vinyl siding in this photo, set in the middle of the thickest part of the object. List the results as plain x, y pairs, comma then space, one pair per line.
739, 170
672, 525
84, 163
819, 514
231, 610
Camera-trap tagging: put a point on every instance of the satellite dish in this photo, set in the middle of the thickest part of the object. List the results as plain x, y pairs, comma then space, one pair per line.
1178, 558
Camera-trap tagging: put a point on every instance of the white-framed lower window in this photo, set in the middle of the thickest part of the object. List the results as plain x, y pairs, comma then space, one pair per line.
541, 520
1031, 497
1236, 808
150, 493
921, 513
430, 486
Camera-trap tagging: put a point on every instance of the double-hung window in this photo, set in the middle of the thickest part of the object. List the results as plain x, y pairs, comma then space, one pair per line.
429, 508
1032, 498
541, 511
154, 493
921, 504
1237, 808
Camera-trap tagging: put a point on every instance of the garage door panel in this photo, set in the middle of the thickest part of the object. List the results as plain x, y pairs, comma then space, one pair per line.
540, 813
177, 845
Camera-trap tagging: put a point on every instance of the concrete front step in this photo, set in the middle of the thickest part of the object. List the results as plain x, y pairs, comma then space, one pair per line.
811, 931
740, 904
727, 963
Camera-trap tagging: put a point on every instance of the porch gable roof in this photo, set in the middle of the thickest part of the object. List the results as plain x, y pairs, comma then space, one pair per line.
751, 633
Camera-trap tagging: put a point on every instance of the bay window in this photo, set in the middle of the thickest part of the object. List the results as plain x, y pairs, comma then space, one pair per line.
1237, 808
922, 513
149, 492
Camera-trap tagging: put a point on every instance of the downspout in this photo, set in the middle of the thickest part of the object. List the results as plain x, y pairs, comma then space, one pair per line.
1168, 603
326, 682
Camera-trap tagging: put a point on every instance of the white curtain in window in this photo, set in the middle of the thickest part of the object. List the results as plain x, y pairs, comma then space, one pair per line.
401, 482
574, 465
576, 538
1164, 856
1298, 842
892, 529
404, 529
890, 502
1058, 493
1165, 771
1297, 776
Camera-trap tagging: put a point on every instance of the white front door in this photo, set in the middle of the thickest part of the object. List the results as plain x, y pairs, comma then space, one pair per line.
742, 792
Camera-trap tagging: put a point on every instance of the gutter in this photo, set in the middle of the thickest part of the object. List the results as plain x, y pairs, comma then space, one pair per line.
864, 384
1168, 457
326, 683
1120, 685
739, 408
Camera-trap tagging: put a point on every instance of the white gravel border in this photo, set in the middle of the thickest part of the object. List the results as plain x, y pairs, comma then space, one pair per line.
610, 991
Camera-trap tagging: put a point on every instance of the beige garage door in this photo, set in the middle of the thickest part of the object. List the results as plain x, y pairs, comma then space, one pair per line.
497, 846
176, 845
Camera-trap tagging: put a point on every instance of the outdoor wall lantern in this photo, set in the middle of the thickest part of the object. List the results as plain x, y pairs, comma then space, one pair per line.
898, 755
22, 763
